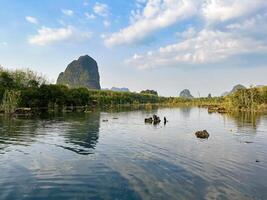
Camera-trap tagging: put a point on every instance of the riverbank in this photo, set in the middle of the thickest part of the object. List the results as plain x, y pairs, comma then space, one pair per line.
25, 92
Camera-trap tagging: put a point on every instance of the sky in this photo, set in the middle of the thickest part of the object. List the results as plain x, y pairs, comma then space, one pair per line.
206, 46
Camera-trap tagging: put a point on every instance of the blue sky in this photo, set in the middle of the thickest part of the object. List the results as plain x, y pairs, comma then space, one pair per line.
206, 46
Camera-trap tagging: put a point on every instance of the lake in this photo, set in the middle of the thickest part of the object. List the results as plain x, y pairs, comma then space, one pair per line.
83, 156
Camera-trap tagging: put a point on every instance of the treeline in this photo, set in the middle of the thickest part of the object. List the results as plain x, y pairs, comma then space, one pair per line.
26, 89
30, 90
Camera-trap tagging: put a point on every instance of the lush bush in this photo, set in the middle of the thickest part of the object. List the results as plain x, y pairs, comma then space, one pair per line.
152, 92
248, 99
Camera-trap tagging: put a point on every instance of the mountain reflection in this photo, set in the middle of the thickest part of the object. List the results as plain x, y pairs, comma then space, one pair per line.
79, 133
185, 111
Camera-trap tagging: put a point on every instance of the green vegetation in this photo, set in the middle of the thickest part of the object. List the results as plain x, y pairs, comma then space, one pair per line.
10, 101
152, 92
26, 89
29, 90
252, 99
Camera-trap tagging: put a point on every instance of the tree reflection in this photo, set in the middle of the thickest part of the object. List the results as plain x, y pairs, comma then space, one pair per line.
16, 131
83, 132
246, 122
79, 131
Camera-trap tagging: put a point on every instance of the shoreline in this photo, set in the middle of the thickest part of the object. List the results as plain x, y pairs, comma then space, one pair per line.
211, 108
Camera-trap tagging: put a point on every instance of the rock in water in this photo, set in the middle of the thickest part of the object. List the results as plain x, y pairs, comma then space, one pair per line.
149, 120
186, 94
202, 134
81, 73
165, 120
156, 119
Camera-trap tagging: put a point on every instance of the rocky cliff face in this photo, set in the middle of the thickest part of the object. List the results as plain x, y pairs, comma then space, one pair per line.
81, 73
237, 87
186, 94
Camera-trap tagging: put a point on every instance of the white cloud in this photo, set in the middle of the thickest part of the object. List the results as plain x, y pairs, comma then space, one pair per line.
67, 12
207, 46
101, 9
89, 16
250, 25
225, 28
223, 10
31, 19
153, 15
106, 23
157, 14
190, 32
48, 35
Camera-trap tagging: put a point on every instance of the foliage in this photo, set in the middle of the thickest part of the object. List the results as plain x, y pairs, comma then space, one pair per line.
152, 92
27, 89
247, 99
10, 101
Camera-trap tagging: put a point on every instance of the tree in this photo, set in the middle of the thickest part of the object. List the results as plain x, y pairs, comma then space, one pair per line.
151, 92
6, 80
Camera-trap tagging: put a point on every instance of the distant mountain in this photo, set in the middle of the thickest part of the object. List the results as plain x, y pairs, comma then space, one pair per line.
117, 89
186, 94
235, 88
120, 89
81, 73
225, 94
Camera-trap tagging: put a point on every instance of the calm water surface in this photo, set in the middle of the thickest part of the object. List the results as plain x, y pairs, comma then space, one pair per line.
78, 156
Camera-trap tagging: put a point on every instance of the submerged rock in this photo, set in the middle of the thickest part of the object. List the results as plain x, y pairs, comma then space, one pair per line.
156, 119
215, 108
149, 120
222, 110
202, 134
165, 120
212, 109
